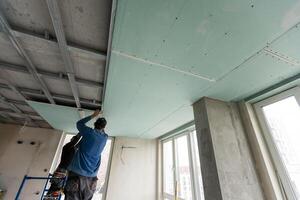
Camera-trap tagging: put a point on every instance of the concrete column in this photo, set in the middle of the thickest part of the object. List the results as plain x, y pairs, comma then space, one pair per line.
227, 167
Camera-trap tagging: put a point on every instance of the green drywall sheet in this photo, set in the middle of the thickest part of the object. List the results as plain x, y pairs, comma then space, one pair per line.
161, 49
60, 117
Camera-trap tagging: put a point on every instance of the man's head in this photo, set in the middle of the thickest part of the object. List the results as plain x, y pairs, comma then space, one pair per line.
100, 123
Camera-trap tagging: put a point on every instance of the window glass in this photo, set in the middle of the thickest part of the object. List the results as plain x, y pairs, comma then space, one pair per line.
102, 171
283, 118
168, 173
183, 168
199, 183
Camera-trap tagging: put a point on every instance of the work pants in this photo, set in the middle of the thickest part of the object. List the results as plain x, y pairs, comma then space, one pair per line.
80, 187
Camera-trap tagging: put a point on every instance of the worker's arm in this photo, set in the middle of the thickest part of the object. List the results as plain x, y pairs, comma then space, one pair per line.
81, 124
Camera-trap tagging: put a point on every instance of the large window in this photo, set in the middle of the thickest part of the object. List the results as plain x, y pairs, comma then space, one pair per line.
181, 168
280, 120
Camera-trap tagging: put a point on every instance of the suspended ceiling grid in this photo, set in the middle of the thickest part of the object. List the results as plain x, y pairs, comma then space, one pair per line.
168, 54
84, 28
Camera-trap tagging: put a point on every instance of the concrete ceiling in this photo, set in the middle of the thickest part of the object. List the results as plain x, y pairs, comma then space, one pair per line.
86, 23
52, 52
168, 54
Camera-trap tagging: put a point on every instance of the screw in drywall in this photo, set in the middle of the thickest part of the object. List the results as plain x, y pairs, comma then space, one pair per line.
45, 170
32, 143
20, 142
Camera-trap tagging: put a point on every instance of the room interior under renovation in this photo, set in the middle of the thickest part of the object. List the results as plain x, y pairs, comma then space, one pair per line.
157, 99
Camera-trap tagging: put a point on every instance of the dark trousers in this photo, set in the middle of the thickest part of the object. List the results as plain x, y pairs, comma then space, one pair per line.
80, 187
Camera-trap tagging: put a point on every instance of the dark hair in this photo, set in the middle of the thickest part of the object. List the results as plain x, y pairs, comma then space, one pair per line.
100, 123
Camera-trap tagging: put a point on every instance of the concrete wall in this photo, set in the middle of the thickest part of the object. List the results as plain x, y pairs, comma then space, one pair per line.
16, 160
133, 170
226, 163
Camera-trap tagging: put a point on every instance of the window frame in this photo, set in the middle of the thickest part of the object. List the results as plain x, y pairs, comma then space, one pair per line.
280, 169
192, 164
108, 167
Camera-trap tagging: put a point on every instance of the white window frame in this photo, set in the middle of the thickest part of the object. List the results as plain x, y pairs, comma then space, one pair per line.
112, 139
192, 156
281, 171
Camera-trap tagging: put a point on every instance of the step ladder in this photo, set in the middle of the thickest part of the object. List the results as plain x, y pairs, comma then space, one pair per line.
50, 177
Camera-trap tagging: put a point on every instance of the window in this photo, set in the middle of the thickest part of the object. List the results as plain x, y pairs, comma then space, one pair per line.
181, 168
168, 167
280, 120
103, 170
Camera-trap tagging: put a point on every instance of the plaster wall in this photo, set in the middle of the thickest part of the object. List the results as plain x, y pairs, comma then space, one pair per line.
33, 157
133, 170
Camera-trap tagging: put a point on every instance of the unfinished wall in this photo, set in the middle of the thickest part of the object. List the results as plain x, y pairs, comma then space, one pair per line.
33, 157
227, 167
133, 170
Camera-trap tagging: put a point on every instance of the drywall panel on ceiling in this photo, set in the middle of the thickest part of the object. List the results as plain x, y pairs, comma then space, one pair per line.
176, 119
208, 37
260, 72
60, 117
168, 54
140, 96
288, 46
285, 50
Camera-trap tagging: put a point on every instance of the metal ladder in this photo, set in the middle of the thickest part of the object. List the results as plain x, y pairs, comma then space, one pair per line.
50, 176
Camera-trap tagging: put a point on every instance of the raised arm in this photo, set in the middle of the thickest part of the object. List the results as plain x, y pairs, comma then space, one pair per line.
81, 124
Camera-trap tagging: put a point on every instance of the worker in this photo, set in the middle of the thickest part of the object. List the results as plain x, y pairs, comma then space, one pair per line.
59, 176
82, 177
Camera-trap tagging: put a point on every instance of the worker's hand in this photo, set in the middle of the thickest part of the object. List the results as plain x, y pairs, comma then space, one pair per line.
96, 113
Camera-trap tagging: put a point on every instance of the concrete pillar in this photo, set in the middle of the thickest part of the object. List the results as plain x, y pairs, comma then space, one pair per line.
227, 167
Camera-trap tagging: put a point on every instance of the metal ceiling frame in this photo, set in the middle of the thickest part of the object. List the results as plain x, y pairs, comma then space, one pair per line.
39, 93
27, 114
12, 105
51, 75
72, 47
30, 66
17, 102
6, 117
62, 44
